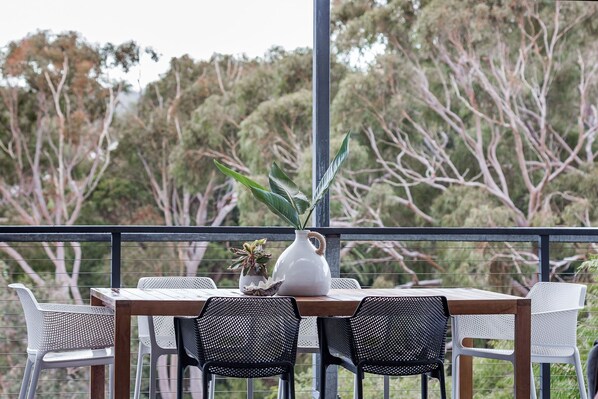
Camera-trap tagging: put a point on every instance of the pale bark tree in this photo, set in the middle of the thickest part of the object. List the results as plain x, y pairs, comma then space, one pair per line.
497, 97
182, 204
58, 155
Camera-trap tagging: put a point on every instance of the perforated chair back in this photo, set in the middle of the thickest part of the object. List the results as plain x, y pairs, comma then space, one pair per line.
400, 335
555, 307
163, 326
34, 319
308, 330
243, 337
562, 300
547, 296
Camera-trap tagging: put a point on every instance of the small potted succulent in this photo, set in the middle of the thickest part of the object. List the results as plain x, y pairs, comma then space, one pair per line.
252, 260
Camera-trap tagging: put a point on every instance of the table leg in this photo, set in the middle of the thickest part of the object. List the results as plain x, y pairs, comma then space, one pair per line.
97, 377
522, 349
122, 351
466, 373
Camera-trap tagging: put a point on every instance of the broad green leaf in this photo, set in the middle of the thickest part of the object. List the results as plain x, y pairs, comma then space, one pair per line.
330, 174
282, 185
246, 181
277, 204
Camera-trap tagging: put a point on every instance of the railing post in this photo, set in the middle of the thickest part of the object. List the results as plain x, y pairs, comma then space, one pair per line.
321, 105
333, 254
115, 260
544, 276
321, 148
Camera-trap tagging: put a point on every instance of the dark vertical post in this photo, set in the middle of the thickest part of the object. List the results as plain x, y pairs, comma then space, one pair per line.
544, 276
321, 141
333, 254
115, 260
321, 105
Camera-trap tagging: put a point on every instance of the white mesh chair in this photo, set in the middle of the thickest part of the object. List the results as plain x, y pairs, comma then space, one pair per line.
308, 329
60, 336
156, 334
554, 331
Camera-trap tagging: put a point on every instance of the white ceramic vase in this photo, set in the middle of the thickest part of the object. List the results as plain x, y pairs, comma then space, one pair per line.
303, 267
247, 279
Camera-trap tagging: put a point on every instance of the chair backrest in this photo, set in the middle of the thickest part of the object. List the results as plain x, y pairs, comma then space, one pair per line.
547, 296
308, 330
33, 316
555, 307
339, 283
163, 326
400, 329
248, 330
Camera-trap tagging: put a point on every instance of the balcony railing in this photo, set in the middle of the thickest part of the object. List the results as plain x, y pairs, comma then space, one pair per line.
116, 248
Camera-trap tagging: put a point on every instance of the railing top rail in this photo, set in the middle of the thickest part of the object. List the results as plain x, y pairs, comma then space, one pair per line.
227, 233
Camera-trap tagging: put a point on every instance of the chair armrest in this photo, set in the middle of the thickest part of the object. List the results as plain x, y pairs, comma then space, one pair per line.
337, 333
71, 327
557, 311
66, 308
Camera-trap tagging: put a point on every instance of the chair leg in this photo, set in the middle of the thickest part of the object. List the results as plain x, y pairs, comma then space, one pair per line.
579, 372
37, 368
386, 385
153, 385
442, 381
26, 379
359, 383
111, 381
281, 389
205, 381
424, 383
180, 371
138, 374
455, 375
213, 387
323, 367
532, 383
291, 384
250, 388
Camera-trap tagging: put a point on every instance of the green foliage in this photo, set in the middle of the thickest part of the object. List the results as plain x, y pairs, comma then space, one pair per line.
292, 203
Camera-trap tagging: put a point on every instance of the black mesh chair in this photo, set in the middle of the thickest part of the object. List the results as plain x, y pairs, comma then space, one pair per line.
242, 337
394, 336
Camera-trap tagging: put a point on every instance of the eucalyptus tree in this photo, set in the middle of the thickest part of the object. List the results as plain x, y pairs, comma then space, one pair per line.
56, 138
474, 112
183, 191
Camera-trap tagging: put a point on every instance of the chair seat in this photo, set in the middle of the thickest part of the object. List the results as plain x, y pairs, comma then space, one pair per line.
104, 355
165, 343
539, 351
246, 372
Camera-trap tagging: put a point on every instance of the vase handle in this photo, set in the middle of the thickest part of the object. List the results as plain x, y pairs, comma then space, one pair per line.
322, 242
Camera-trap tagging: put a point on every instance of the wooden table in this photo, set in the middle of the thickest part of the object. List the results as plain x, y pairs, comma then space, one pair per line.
128, 302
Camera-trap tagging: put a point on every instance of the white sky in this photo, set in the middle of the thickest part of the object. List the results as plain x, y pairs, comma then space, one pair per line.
172, 27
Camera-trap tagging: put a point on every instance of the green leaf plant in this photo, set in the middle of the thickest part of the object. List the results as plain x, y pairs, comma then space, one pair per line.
284, 197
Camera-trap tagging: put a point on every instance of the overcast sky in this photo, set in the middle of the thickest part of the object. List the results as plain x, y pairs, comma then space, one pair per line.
172, 27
